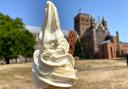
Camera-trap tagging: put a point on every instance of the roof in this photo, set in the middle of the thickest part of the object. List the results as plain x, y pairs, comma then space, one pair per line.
109, 37
125, 43
105, 42
99, 24
79, 14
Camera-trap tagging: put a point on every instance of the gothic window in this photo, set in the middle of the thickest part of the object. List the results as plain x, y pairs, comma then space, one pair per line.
87, 23
82, 19
86, 20
83, 23
102, 47
100, 35
83, 28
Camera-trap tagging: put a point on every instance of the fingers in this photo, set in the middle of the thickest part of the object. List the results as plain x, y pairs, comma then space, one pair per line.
37, 53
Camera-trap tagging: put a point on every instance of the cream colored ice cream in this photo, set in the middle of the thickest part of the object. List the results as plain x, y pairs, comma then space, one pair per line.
53, 65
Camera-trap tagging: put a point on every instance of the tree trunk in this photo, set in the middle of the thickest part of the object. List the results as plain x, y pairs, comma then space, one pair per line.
127, 59
7, 60
16, 59
26, 60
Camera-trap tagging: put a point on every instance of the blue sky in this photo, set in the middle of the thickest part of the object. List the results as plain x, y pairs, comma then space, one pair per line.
32, 12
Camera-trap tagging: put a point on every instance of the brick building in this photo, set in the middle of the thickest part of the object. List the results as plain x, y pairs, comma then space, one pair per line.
96, 41
124, 47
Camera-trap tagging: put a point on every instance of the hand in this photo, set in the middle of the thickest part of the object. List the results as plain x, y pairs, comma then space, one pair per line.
36, 53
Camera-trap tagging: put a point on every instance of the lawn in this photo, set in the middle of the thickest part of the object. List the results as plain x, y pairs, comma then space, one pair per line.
92, 74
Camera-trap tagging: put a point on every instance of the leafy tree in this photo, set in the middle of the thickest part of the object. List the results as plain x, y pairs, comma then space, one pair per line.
27, 44
14, 39
78, 49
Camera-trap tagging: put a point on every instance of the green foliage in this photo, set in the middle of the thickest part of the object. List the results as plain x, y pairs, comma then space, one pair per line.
14, 39
27, 44
78, 50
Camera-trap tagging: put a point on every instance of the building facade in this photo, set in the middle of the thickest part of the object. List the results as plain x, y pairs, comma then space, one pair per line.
96, 41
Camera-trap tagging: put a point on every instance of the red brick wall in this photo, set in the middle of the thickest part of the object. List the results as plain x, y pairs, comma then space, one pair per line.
107, 51
124, 48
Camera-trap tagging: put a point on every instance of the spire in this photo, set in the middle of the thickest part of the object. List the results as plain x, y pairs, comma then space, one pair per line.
92, 20
104, 22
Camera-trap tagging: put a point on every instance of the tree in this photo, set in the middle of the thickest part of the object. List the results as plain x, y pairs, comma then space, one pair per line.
5, 46
27, 44
14, 39
78, 49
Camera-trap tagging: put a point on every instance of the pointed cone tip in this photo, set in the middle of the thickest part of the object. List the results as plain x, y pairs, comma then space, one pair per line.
50, 2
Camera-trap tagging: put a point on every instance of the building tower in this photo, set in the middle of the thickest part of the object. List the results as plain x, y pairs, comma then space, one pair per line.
118, 44
92, 22
104, 22
81, 23
94, 38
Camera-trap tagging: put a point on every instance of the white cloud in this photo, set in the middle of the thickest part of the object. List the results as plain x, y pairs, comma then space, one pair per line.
36, 29
33, 29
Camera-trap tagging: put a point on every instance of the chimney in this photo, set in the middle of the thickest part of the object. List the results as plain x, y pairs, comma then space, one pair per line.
118, 44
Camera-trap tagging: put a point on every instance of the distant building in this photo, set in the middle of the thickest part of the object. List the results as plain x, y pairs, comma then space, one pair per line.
124, 47
37, 40
95, 38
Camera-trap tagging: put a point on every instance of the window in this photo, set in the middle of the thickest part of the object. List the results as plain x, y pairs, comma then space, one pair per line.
83, 28
102, 47
87, 20
87, 23
82, 19
83, 23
